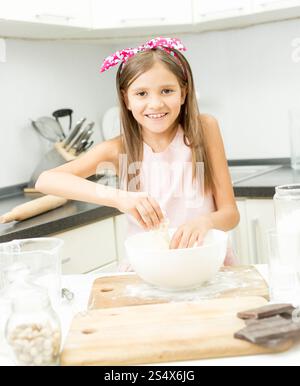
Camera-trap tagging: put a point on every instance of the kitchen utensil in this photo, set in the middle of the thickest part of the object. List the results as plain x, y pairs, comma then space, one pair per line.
80, 147
48, 128
84, 143
41, 256
161, 333
88, 134
84, 147
72, 134
32, 208
176, 269
75, 139
80, 136
113, 291
88, 145
67, 294
111, 123
63, 113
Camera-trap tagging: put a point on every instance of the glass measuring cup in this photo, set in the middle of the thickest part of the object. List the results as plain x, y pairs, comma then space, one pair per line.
41, 256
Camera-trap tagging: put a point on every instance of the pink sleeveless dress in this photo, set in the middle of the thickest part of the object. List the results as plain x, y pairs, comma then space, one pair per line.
167, 177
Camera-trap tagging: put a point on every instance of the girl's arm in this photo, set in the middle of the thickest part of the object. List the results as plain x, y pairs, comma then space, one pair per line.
69, 181
226, 216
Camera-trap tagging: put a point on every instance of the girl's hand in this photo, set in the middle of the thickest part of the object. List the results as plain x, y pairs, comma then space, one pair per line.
142, 207
190, 233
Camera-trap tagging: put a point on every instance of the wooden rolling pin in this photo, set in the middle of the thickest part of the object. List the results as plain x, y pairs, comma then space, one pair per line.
32, 208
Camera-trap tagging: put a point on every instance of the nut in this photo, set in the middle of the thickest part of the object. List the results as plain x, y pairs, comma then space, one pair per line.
35, 345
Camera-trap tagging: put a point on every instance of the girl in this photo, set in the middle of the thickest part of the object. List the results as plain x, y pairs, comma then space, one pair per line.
169, 158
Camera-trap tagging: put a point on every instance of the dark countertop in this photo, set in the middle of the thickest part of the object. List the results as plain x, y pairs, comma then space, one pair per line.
71, 215
264, 186
76, 213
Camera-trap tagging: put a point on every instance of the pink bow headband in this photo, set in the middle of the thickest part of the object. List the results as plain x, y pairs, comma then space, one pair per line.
123, 55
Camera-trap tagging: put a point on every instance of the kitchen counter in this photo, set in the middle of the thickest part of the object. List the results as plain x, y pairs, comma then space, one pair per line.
76, 213
72, 214
81, 286
263, 186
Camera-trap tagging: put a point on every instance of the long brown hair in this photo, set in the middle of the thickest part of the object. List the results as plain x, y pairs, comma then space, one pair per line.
189, 117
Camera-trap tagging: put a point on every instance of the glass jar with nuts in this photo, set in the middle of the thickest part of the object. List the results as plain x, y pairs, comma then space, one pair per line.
33, 329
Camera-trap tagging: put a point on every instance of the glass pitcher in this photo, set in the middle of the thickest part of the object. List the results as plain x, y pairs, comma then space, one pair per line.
41, 256
287, 215
37, 259
287, 208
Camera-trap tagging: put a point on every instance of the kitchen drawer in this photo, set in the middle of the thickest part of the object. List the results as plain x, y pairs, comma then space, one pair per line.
88, 247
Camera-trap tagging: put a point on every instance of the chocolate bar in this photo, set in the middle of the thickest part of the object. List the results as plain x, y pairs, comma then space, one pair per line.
267, 311
270, 329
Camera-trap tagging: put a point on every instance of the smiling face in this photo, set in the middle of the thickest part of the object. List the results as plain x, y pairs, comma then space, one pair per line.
155, 99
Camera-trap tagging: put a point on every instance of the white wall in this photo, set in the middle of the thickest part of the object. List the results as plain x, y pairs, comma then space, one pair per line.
246, 78
38, 78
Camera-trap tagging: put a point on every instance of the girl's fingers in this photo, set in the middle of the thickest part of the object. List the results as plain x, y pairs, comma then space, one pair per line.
157, 209
176, 239
185, 238
151, 213
193, 240
135, 213
144, 215
200, 240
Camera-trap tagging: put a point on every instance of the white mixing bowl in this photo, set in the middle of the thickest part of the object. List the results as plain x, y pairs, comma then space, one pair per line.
177, 269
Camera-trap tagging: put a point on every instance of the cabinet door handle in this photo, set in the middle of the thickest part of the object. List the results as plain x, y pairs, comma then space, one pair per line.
42, 16
222, 11
254, 226
65, 261
143, 20
266, 5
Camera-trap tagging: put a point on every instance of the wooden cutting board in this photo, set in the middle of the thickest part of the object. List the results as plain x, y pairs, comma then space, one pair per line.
160, 333
112, 291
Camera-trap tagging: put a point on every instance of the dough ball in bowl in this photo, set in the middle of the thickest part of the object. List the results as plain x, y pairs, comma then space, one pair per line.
176, 269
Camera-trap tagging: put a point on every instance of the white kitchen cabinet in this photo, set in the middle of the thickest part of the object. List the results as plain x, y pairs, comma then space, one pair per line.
61, 12
239, 236
269, 5
210, 15
216, 9
112, 267
18, 9
117, 19
120, 224
88, 247
220, 9
137, 13
260, 219
250, 237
